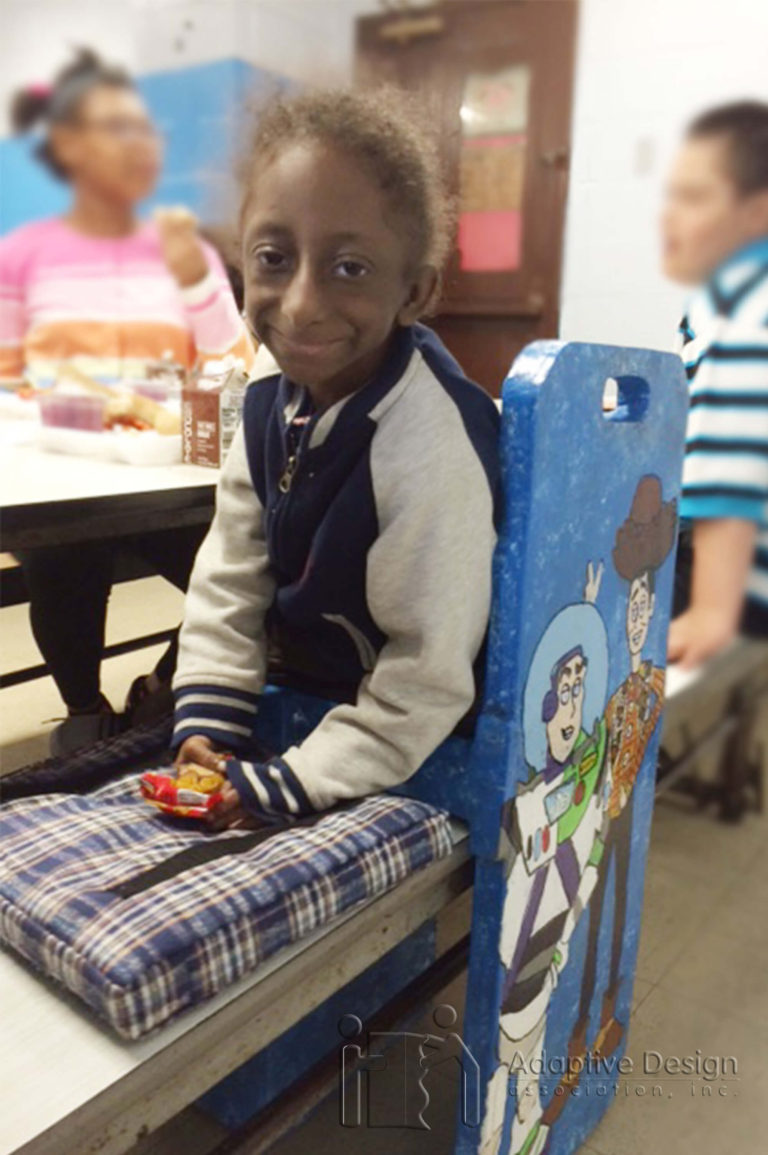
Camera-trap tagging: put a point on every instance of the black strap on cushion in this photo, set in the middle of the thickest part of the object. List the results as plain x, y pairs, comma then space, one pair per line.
204, 851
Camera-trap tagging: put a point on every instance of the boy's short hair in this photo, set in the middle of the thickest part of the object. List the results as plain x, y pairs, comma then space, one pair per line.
743, 126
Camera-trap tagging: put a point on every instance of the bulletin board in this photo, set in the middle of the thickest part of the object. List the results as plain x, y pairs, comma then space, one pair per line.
494, 118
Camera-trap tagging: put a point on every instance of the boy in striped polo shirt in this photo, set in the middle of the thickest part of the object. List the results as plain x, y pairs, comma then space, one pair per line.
715, 233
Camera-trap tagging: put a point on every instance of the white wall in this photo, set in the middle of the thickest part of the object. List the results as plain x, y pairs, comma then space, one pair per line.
303, 39
644, 67
313, 40
308, 40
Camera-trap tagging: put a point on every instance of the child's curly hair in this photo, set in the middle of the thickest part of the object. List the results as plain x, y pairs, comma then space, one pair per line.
382, 129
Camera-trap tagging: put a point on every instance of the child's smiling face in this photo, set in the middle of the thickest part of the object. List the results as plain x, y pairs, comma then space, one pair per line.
328, 269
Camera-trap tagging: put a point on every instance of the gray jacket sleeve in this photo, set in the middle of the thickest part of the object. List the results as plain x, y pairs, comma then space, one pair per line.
222, 648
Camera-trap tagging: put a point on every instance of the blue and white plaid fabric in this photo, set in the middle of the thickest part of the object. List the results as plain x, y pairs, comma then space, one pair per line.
142, 960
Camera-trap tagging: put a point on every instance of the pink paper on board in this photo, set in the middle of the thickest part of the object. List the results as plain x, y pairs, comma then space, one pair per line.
490, 242
498, 140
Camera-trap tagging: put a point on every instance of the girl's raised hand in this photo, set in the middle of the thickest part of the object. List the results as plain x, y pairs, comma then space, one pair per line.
182, 251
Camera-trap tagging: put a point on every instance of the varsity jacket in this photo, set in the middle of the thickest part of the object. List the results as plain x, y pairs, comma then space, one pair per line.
352, 547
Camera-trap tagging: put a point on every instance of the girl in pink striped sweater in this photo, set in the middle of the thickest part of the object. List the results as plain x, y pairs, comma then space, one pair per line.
99, 289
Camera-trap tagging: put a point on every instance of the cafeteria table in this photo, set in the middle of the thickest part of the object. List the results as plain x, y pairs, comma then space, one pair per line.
56, 499
50, 499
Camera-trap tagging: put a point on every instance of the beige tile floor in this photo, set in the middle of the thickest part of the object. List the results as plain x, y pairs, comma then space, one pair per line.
702, 977
702, 982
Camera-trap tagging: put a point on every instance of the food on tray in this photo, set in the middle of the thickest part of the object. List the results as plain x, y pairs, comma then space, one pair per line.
139, 419
72, 410
80, 402
70, 378
125, 421
192, 793
124, 408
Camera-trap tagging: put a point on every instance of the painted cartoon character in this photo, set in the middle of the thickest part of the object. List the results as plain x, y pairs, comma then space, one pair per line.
553, 824
643, 543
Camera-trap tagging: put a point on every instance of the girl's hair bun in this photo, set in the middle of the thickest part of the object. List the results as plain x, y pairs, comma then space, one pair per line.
30, 106
59, 100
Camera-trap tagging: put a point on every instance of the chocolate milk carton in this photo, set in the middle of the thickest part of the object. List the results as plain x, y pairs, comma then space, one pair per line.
211, 409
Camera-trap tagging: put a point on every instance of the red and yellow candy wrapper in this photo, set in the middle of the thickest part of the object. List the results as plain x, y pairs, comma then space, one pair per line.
192, 793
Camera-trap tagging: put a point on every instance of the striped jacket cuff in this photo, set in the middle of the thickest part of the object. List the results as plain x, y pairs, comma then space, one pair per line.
269, 788
220, 713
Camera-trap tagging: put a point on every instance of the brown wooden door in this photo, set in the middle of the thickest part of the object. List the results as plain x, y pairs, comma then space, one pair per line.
497, 76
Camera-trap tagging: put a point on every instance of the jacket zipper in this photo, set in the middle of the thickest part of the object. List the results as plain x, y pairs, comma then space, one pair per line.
295, 442
284, 484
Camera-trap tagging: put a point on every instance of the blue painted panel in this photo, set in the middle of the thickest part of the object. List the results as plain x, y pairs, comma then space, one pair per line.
203, 112
583, 581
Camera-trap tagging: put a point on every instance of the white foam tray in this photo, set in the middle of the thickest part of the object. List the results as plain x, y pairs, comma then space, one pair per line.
132, 447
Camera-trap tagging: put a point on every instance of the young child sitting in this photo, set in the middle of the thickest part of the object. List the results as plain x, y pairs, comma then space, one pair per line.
716, 237
351, 550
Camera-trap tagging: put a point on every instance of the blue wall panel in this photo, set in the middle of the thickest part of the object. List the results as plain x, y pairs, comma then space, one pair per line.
27, 193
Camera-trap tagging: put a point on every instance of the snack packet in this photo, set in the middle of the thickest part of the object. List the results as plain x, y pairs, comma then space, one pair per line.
192, 793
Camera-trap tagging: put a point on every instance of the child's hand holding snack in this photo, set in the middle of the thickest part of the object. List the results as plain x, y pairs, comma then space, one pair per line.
227, 810
192, 793
180, 241
202, 752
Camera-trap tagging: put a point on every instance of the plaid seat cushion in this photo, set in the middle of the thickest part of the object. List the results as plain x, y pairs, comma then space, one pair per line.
141, 954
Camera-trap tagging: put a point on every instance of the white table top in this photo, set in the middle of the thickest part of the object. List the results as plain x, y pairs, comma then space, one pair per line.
677, 680
729, 667
29, 476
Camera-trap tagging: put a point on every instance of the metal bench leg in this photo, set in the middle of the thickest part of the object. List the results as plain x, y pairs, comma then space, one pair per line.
741, 771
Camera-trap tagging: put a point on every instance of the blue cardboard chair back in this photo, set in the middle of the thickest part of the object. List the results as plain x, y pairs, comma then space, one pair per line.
557, 785
583, 584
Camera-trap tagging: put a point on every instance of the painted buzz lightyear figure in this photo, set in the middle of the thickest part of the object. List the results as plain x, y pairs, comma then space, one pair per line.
643, 543
553, 825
